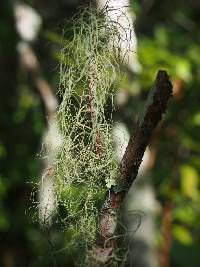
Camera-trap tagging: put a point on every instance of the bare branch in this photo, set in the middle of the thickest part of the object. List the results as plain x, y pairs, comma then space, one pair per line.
151, 115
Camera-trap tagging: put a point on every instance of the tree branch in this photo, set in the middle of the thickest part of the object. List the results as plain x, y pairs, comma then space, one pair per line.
151, 115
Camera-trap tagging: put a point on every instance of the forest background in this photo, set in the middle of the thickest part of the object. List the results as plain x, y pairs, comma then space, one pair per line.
168, 38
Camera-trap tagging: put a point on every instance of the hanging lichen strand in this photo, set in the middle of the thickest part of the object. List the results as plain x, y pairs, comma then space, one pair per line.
85, 167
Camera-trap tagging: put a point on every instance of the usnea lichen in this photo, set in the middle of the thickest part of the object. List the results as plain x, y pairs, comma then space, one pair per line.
85, 166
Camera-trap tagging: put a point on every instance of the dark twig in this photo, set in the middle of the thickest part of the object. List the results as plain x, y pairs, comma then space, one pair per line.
151, 115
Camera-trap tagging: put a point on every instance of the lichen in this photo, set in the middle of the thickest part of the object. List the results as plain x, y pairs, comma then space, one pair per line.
85, 166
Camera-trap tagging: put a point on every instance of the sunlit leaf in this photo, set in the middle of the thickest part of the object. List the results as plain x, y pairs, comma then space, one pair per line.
181, 234
189, 181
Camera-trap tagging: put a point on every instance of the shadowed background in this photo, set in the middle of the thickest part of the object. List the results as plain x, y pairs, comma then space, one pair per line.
168, 38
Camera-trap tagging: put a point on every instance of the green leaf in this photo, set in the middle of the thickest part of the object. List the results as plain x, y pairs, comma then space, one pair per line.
189, 181
182, 235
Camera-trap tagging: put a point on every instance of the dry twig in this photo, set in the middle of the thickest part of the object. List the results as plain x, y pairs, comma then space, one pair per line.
151, 115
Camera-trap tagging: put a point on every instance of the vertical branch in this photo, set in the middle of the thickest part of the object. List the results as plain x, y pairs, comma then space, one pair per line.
91, 97
91, 83
167, 207
166, 234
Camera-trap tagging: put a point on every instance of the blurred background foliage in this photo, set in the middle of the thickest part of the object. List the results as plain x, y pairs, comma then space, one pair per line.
168, 38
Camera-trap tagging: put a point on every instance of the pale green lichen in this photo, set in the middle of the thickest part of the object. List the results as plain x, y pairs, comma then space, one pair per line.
86, 166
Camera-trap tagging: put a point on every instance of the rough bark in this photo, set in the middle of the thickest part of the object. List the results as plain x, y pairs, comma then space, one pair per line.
151, 115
